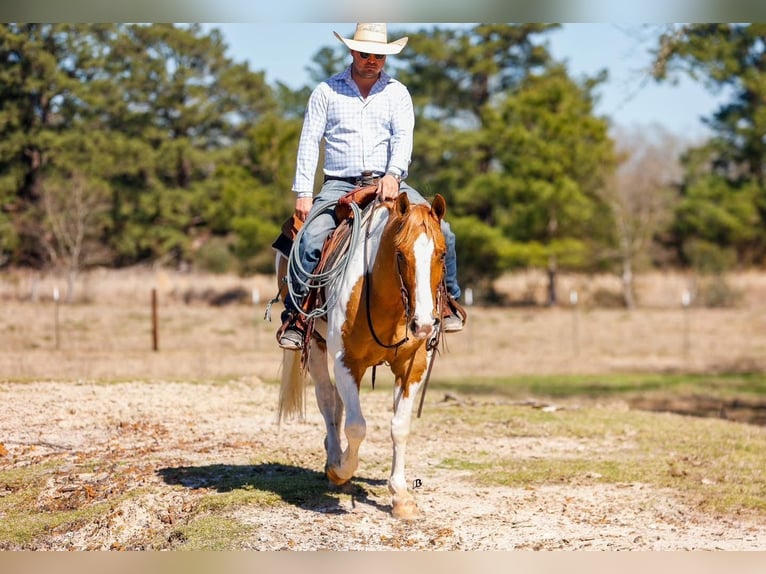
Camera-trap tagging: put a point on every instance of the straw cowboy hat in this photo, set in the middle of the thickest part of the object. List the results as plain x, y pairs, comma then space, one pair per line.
373, 39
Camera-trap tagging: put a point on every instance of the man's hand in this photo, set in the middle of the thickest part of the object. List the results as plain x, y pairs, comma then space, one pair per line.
388, 187
303, 206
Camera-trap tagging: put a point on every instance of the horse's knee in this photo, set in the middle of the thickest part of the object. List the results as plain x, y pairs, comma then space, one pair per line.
400, 429
356, 430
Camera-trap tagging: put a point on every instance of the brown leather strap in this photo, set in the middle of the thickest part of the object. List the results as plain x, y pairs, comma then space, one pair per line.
362, 196
284, 242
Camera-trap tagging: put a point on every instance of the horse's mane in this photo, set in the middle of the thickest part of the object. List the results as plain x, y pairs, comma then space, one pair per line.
413, 223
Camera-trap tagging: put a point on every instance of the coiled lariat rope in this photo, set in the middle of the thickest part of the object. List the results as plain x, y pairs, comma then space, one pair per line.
326, 279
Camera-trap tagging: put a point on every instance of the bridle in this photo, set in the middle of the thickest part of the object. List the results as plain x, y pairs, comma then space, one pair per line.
432, 344
406, 299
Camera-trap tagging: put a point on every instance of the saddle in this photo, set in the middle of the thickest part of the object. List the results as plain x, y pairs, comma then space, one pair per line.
362, 196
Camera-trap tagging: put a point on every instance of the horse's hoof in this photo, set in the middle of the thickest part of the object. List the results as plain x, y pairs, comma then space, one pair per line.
405, 510
334, 478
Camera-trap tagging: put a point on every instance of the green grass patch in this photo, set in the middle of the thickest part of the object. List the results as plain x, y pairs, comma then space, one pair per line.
612, 385
19, 529
211, 533
22, 521
713, 464
263, 484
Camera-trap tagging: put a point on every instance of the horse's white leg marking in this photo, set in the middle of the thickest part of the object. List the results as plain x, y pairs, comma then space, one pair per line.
403, 502
355, 426
423, 249
329, 402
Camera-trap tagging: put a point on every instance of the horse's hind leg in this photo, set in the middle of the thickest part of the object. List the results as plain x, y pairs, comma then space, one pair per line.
404, 506
355, 426
328, 400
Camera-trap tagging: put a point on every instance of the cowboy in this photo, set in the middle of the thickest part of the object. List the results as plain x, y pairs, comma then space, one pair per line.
366, 118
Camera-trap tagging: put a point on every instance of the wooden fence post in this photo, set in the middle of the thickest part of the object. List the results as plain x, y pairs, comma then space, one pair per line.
155, 338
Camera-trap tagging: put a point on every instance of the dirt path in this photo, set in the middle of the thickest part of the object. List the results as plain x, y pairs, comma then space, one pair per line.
152, 451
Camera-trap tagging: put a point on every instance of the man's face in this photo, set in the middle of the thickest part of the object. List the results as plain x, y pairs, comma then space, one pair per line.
368, 65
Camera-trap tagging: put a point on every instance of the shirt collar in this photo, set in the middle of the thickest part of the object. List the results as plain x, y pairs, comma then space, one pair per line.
345, 76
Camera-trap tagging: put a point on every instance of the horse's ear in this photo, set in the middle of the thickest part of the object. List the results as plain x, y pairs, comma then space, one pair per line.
439, 207
402, 204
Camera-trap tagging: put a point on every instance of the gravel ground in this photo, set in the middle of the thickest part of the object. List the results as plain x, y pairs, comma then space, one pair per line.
149, 437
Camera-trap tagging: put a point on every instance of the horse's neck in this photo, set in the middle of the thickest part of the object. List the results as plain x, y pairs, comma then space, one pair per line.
385, 285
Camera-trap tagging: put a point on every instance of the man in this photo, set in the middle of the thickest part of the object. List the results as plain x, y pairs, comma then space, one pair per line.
366, 119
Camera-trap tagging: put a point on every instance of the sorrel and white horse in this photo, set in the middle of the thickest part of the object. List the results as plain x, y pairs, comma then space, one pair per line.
385, 309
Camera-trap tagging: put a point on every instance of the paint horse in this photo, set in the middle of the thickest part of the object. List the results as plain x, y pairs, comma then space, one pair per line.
385, 309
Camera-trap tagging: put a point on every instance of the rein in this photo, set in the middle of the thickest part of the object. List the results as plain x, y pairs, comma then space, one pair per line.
368, 299
433, 345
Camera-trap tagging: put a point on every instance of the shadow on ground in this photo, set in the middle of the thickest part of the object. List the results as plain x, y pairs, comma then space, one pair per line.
295, 485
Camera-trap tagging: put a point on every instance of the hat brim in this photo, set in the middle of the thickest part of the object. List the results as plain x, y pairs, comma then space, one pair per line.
374, 47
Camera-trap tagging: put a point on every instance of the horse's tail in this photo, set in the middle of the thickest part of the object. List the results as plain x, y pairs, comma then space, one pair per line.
292, 390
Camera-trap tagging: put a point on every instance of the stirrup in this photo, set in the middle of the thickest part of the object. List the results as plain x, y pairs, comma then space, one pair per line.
291, 335
452, 323
452, 312
291, 340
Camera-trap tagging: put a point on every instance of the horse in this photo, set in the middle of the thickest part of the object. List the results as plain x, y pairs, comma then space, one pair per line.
386, 308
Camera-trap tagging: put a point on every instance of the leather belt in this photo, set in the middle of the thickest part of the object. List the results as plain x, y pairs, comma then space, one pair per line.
366, 179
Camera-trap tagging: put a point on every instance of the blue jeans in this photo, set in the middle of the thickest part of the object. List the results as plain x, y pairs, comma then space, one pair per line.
324, 222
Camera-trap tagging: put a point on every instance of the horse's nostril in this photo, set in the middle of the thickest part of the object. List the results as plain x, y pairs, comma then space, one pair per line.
421, 331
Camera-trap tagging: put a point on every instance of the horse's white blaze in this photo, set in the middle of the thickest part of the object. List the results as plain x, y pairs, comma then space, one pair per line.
424, 300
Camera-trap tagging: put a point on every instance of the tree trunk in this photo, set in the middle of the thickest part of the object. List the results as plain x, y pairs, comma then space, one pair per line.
552, 272
627, 285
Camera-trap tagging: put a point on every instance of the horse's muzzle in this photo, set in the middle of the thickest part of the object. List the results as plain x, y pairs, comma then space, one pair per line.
425, 331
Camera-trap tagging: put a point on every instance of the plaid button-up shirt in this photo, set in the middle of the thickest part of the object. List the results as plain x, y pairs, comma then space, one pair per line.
373, 133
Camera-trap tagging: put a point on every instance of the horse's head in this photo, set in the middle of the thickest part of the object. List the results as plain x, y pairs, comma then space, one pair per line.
420, 250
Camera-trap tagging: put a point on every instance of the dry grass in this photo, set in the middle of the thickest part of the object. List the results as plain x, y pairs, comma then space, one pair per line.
106, 333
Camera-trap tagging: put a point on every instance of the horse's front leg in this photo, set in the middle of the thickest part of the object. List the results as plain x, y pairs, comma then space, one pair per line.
328, 400
355, 426
404, 506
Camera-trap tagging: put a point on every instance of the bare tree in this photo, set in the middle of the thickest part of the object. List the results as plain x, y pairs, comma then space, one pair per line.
72, 224
641, 195
4, 246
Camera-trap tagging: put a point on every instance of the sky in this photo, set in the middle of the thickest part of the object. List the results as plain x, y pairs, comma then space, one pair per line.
629, 98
